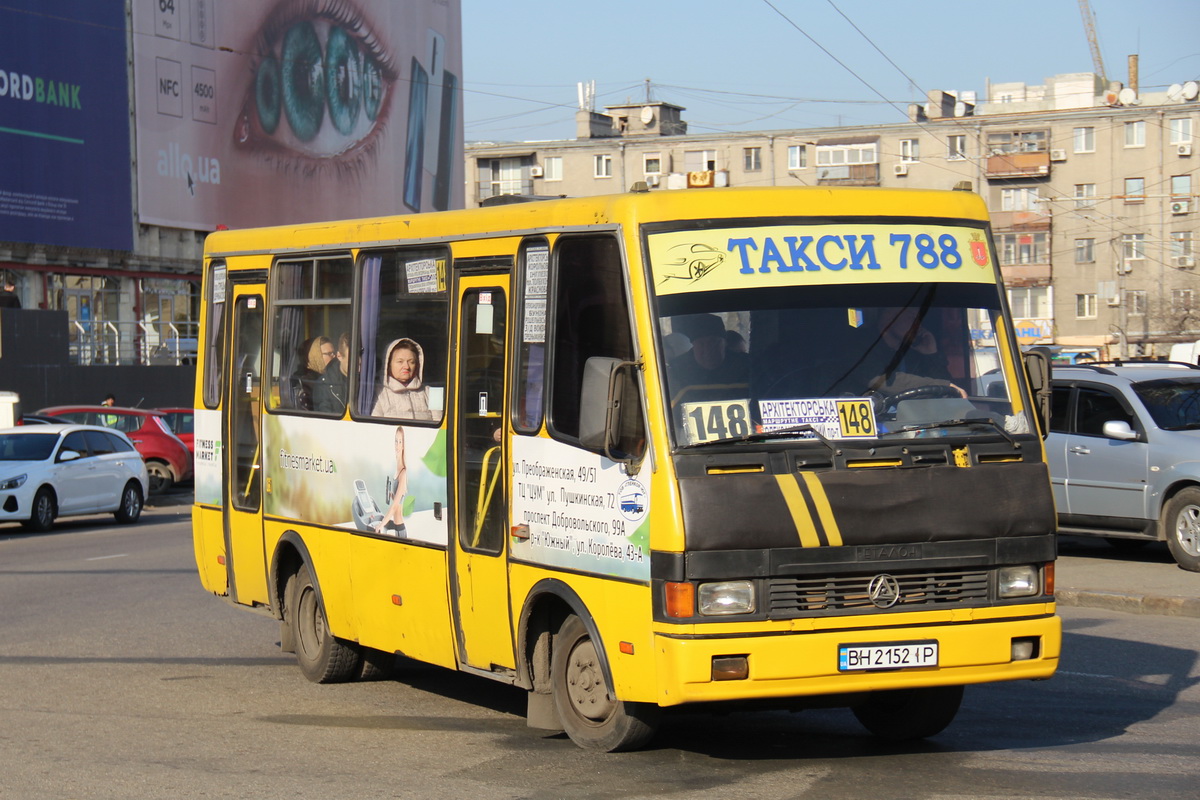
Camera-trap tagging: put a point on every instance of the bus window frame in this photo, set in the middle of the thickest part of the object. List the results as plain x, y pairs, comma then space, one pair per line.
520, 362
276, 303
214, 347
555, 340
360, 404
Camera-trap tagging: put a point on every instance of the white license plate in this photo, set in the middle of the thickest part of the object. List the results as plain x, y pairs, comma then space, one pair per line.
896, 655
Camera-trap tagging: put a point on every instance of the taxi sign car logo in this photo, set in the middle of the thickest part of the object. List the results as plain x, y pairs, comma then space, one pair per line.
884, 591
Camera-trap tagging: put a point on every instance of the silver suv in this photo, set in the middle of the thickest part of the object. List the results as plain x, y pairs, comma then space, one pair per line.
1124, 453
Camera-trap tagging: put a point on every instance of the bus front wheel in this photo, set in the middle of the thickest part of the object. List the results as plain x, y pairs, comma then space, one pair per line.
586, 707
903, 714
322, 657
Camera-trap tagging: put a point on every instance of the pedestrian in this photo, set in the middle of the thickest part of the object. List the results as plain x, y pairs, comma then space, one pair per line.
109, 420
8, 296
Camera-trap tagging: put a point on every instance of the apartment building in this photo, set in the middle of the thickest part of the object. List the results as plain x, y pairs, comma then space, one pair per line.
1092, 189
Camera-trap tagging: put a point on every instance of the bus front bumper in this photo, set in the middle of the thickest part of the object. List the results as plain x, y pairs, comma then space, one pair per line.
784, 665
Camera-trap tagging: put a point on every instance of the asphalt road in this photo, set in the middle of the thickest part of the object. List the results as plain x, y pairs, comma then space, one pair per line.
121, 678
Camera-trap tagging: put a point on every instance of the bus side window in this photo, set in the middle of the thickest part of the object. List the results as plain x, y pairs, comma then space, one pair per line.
405, 307
591, 318
311, 310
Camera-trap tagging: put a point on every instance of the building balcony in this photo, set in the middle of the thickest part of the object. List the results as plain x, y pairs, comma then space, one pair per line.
1018, 165
849, 175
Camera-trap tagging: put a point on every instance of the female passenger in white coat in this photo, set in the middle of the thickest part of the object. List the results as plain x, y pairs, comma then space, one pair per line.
403, 394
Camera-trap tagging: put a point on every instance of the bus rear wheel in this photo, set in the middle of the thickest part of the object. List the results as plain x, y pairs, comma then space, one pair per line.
904, 714
586, 707
323, 658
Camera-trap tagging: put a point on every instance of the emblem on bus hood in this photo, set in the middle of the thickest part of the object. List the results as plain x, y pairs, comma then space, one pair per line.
884, 591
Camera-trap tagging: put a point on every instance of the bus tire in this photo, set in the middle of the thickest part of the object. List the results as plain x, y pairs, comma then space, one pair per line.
377, 665
903, 714
323, 658
584, 701
1181, 525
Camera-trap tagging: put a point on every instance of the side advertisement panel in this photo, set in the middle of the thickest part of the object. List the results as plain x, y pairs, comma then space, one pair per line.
64, 125
383, 480
264, 112
580, 510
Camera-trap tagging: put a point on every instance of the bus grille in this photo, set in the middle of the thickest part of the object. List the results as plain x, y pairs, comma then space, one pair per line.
792, 597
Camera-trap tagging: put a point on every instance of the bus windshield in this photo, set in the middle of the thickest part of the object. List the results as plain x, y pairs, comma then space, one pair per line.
839, 361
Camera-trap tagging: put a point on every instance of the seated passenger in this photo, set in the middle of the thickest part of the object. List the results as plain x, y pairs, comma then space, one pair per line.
403, 394
315, 354
709, 366
331, 391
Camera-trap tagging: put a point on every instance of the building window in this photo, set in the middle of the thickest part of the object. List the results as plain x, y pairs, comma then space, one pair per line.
1085, 251
1023, 248
837, 155
1181, 130
797, 156
652, 164
1181, 185
1085, 195
1017, 142
1135, 190
956, 146
1085, 140
1085, 306
499, 176
1030, 302
1182, 300
602, 166
1135, 134
1133, 246
1022, 198
1136, 302
910, 150
1181, 244
552, 168
699, 160
752, 159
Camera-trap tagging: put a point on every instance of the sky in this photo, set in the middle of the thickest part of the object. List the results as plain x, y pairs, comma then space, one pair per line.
749, 65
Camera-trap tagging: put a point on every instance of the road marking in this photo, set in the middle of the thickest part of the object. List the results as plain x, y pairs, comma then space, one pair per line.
102, 558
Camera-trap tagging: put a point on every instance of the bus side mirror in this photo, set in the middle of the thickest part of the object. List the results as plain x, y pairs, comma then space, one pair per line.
610, 410
1037, 366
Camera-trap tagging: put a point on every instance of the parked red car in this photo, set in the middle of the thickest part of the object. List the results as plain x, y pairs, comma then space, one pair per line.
181, 422
168, 460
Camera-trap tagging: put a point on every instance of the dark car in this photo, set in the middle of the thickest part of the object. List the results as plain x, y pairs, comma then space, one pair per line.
168, 460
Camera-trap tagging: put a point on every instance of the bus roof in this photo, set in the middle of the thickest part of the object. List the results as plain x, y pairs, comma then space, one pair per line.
633, 208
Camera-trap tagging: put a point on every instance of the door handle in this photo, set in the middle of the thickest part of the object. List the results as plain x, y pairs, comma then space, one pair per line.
1083, 451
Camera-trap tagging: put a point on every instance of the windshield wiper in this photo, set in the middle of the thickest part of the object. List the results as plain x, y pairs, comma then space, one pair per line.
762, 436
954, 423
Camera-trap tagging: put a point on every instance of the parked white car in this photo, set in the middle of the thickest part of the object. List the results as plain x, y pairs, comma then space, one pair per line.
50, 471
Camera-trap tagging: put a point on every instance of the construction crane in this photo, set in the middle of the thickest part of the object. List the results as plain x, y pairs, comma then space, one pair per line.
1089, 27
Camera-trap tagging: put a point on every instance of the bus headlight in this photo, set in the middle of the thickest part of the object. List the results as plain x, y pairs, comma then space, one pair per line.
13, 483
726, 597
1018, 581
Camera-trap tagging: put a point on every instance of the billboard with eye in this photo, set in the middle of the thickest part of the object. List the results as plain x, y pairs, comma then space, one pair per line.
64, 126
265, 112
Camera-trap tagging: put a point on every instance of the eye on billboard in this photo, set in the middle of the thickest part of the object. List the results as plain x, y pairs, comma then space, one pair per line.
262, 112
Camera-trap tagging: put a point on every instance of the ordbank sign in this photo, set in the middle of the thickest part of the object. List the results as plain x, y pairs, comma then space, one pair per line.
64, 125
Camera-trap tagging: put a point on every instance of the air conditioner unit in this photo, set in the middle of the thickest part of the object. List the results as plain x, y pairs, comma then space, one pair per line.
1184, 149
1185, 262
1115, 300
535, 172
900, 169
1181, 206
652, 180
1058, 155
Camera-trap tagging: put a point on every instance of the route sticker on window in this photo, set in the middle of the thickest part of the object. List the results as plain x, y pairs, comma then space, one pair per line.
848, 418
707, 422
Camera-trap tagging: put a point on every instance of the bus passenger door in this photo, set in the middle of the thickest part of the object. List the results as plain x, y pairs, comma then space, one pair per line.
480, 593
244, 558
